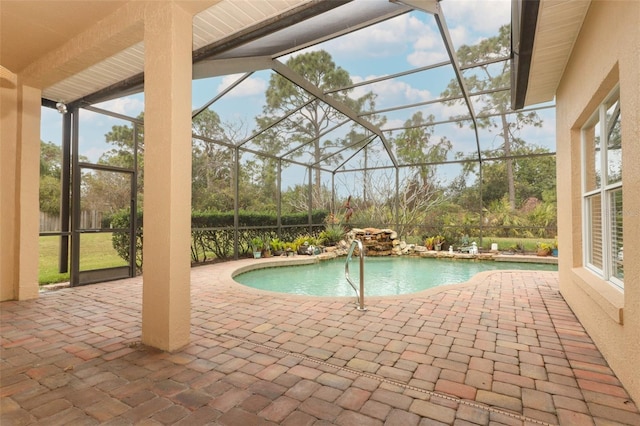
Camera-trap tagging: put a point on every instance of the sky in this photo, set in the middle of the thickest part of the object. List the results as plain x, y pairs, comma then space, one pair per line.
403, 43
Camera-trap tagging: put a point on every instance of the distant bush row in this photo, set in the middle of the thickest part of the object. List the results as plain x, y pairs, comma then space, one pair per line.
213, 234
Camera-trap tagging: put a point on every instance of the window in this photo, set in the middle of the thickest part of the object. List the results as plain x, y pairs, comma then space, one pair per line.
602, 192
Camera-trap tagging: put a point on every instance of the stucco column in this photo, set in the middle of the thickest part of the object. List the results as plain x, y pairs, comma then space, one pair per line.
20, 177
167, 176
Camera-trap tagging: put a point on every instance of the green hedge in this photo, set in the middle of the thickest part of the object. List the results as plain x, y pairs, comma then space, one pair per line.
212, 233
120, 240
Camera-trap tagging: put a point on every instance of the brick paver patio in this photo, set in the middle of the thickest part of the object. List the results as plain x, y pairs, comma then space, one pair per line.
502, 349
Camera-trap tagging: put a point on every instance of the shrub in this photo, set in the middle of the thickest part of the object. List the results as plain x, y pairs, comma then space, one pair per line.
213, 233
120, 240
332, 235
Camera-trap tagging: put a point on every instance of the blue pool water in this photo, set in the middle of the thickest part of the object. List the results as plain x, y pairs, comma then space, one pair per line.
382, 276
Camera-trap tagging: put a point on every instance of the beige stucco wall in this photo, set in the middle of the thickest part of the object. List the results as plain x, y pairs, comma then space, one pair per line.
8, 124
606, 53
166, 309
19, 183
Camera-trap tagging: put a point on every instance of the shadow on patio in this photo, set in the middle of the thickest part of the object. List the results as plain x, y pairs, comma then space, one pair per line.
502, 349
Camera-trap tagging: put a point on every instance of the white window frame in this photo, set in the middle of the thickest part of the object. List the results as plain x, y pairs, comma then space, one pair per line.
604, 190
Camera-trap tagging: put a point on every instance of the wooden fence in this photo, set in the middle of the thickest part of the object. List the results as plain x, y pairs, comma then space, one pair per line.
89, 219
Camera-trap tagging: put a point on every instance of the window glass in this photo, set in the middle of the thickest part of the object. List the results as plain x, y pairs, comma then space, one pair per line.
614, 145
617, 249
595, 234
602, 192
592, 157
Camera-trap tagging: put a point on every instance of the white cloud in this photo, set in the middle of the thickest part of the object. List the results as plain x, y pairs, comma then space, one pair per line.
457, 109
421, 58
130, 105
249, 87
93, 153
394, 123
416, 36
390, 92
427, 41
545, 135
460, 35
478, 16
387, 38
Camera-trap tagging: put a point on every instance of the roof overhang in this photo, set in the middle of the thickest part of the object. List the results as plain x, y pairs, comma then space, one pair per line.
79, 54
543, 33
74, 50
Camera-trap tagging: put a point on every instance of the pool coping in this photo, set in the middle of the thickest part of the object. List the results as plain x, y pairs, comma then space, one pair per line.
229, 269
234, 268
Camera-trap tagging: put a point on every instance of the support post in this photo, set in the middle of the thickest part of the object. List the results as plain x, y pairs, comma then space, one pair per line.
166, 302
65, 202
236, 202
19, 173
75, 199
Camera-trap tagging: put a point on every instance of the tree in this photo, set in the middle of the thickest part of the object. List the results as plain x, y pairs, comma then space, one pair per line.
107, 191
50, 172
50, 159
212, 166
489, 77
122, 139
359, 137
306, 126
420, 189
212, 162
417, 146
296, 199
533, 173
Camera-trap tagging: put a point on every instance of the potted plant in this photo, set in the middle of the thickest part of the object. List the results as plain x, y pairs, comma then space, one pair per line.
554, 247
543, 249
429, 243
290, 248
277, 246
303, 242
257, 244
438, 240
266, 248
331, 235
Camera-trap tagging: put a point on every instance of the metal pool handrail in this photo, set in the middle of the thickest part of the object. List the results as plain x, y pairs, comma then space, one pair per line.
359, 294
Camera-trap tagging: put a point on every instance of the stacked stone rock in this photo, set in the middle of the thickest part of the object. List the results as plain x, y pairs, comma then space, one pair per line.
377, 242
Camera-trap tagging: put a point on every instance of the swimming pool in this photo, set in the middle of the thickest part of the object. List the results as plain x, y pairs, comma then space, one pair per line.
383, 276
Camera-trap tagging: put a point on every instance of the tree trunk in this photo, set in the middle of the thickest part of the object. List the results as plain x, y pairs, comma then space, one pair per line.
318, 177
509, 162
317, 154
365, 178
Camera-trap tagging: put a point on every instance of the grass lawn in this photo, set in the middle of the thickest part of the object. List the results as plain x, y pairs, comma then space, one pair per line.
96, 252
506, 243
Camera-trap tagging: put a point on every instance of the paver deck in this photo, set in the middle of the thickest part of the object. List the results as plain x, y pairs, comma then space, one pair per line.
501, 349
